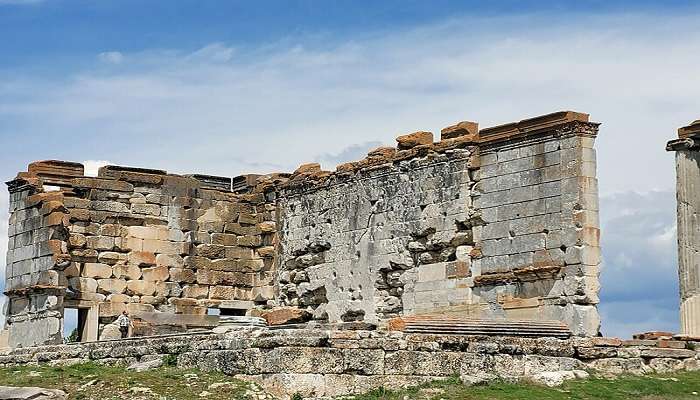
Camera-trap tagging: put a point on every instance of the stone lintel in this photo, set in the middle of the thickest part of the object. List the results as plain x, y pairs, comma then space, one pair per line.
55, 172
213, 182
687, 143
691, 130
19, 185
244, 183
688, 138
114, 171
538, 125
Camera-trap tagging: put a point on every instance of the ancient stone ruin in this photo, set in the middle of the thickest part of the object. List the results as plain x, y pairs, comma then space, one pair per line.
497, 223
476, 255
687, 148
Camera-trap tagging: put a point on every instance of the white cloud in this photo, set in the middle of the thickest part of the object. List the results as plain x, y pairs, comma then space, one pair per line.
288, 105
92, 167
111, 57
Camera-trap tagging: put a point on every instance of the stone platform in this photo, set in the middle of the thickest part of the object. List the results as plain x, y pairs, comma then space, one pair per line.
332, 363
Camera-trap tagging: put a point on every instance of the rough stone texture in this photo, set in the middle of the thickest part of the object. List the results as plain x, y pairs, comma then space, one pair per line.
130, 237
506, 227
333, 363
687, 149
497, 223
31, 393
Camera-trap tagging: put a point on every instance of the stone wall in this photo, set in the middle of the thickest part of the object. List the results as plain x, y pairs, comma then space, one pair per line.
377, 243
539, 202
497, 223
494, 223
132, 239
333, 363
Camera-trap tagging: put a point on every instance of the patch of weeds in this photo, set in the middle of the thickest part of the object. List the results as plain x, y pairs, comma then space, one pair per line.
170, 360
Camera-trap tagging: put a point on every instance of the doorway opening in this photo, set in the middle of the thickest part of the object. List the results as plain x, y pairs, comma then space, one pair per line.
78, 326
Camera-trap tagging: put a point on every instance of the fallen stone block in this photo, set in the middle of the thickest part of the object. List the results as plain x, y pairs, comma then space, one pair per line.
33, 393
286, 315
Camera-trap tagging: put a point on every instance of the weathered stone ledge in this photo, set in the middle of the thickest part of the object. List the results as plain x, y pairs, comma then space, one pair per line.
330, 363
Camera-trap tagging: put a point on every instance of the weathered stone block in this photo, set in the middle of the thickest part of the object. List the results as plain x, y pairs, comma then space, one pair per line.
108, 286
140, 288
96, 270
155, 274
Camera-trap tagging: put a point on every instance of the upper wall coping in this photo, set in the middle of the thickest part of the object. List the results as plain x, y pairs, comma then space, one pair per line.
692, 129
530, 126
418, 144
688, 138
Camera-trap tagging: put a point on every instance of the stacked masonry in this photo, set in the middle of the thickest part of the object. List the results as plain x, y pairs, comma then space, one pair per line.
320, 363
490, 224
136, 240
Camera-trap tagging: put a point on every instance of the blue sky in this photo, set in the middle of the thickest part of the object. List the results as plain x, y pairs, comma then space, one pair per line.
227, 87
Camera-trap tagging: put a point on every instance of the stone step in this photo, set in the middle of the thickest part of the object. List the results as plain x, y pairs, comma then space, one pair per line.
490, 327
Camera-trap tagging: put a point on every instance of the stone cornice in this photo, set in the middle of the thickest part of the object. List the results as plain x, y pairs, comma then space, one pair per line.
691, 130
558, 123
686, 143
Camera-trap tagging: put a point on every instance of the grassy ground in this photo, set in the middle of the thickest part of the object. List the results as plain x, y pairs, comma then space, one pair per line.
682, 386
91, 381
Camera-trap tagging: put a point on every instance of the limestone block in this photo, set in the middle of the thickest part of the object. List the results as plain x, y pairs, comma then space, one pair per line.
285, 315
211, 251
140, 288
162, 247
247, 219
110, 332
111, 258
155, 274
432, 272
250, 265
197, 262
182, 275
136, 308
148, 232
268, 226
170, 260
239, 252
151, 300
142, 258
113, 230
128, 271
266, 252
118, 298
129, 243
168, 289
224, 239
414, 139
77, 240
250, 241
84, 285
195, 291
111, 285
72, 271
147, 209
222, 292
96, 270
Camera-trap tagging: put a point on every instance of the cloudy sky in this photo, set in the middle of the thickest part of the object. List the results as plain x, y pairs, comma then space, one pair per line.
232, 87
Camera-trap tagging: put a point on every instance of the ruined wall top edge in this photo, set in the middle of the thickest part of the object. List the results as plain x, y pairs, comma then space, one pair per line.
415, 145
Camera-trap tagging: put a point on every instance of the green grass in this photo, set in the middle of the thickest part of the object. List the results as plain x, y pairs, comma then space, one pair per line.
676, 387
107, 383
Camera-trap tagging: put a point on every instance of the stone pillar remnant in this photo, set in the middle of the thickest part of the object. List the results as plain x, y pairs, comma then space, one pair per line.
687, 148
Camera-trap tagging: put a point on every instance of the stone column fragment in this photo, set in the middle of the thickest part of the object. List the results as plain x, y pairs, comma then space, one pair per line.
687, 148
